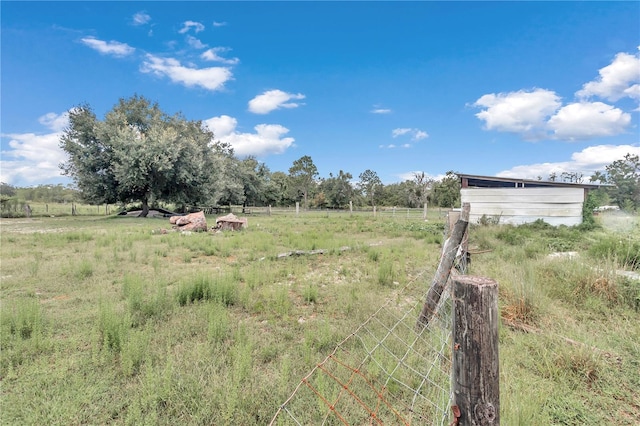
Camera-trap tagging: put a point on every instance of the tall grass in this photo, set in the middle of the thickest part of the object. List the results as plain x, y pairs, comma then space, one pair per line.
106, 322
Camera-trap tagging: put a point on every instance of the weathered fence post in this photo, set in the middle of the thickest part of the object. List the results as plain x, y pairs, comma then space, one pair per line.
269, 210
374, 211
424, 212
350, 207
476, 378
449, 252
297, 208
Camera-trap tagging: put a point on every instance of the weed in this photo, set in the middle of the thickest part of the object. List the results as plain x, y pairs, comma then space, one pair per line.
84, 270
310, 293
204, 287
24, 320
113, 328
218, 323
386, 273
134, 350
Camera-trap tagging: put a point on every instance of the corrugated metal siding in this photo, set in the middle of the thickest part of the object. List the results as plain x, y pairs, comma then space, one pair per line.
556, 206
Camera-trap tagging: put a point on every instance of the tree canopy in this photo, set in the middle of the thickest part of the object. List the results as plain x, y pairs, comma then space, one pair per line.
140, 154
303, 174
625, 175
369, 184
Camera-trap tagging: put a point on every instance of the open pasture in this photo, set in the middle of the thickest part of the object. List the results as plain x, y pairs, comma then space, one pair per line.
108, 320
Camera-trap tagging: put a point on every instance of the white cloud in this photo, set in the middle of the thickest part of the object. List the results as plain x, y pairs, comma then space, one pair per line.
272, 100
416, 134
212, 78
219, 24
587, 120
411, 176
141, 18
523, 112
587, 161
268, 139
400, 131
419, 134
187, 25
55, 122
213, 55
380, 111
114, 48
195, 43
617, 80
34, 158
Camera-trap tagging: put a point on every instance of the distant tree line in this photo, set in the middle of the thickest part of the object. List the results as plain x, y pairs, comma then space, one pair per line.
139, 154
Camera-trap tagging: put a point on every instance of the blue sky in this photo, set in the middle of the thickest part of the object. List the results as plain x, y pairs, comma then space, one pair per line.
492, 88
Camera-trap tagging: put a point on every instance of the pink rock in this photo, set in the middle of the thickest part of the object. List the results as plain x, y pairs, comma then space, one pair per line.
191, 222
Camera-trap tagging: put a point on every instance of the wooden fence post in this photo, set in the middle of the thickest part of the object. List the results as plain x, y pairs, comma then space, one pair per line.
476, 378
449, 252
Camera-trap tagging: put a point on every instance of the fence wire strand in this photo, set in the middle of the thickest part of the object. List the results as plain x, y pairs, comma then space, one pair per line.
388, 371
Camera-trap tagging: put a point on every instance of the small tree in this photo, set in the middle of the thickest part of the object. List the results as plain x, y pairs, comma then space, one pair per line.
625, 175
446, 192
303, 174
369, 183
337, 190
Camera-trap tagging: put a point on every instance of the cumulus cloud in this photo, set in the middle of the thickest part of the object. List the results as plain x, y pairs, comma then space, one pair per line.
523, 112
219, 24
195, 42
272, 100
188, 25
539, 113
34, 158
617, 80
416, 134
587, 120
588, 161
267, 139
112, 47
140, 18
212, 78
213, 55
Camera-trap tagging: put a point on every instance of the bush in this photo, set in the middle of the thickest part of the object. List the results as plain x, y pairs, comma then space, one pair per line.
623, 250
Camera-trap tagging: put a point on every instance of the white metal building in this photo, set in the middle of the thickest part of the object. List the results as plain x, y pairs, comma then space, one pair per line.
518, 201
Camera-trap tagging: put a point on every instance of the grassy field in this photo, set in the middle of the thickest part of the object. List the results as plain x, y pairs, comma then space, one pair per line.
108, 320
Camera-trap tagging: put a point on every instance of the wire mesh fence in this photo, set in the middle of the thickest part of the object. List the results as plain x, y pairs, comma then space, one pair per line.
388, 371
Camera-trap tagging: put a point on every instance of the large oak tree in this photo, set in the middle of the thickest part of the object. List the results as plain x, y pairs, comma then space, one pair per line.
140, 154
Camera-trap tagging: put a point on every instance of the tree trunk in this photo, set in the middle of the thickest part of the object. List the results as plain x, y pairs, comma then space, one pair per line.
145, 207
